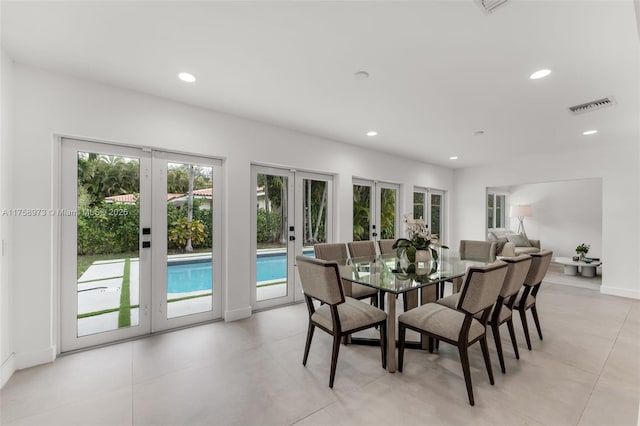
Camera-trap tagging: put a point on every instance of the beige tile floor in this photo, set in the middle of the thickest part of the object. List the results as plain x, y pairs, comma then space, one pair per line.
585, 372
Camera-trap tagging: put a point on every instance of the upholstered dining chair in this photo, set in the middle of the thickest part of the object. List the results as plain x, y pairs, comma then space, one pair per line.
338, 251
526, 299
517, 270
458, 326
339, 315
481, 251
362, 248
477, 251
386, 246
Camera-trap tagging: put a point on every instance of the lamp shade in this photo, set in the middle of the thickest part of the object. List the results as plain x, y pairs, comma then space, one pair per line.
520, 211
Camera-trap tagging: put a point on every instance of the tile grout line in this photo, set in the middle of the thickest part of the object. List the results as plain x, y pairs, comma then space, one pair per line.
132, 381
605, 364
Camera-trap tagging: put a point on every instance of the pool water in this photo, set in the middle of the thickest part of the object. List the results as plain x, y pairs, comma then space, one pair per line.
196, 276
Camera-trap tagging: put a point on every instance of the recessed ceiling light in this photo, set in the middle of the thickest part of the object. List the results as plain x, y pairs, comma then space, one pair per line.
361, 75
590, 132
455, 157
539, 74
185, 76
372, 133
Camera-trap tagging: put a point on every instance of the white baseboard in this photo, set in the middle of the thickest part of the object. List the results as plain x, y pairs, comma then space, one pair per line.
7, 369
31, 359
237, 314
622, 292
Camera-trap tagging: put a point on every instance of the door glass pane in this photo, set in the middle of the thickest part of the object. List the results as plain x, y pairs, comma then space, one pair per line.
189, 239
271, 235
418, 205
108, 226
361, 212
436, 210
387, 213
500, 204
490, 211
315, 214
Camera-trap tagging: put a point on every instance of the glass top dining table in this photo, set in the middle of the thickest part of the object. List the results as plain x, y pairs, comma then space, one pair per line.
417, 282
386, 272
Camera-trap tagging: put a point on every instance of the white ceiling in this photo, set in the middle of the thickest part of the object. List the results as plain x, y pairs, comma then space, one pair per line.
439, 70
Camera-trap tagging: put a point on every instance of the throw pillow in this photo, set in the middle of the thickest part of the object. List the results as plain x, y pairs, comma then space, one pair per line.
519, 240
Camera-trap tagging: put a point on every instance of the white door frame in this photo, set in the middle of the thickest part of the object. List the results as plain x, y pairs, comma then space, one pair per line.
295, 202
375, 206
153, 260
68, 244
159, 318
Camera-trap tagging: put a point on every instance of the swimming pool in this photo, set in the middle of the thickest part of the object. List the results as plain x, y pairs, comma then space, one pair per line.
195, 275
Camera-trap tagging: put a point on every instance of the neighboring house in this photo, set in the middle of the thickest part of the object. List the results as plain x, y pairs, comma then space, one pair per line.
131, 198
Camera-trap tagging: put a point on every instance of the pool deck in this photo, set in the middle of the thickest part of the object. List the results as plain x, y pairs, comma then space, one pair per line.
100, 289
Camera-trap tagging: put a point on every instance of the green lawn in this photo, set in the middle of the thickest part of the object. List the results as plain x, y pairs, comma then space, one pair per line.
85, 261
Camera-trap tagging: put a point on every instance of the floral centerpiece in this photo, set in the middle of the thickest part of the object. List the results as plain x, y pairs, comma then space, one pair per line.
419, 246
582, 250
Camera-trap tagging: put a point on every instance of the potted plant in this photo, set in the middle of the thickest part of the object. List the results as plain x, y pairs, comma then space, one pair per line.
582, 250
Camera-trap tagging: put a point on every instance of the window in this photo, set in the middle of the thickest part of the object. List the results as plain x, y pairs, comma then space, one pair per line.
429, 205
496, 205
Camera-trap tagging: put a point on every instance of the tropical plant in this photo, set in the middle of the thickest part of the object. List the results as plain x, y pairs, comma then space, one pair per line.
183, 231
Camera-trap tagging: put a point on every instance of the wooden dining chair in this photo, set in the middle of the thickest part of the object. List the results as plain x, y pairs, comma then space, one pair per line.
362, 248
517, 270
338, 251
338, 315
458, 326
526, 299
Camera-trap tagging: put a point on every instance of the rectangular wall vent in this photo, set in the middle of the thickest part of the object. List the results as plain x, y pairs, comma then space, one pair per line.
593, 105
489, 6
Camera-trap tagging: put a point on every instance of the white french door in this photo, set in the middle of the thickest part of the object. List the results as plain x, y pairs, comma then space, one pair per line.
293, 211
429, 204
125, 267
187, 283
375, 210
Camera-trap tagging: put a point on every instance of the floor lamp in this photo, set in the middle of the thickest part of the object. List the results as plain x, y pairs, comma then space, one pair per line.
520, 212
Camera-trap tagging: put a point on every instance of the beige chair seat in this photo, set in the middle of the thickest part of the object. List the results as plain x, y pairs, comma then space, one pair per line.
354, 314
440, 320
530, 300
451, 301
359, 291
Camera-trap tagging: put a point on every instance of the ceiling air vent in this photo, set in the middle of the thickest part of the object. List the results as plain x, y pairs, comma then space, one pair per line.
593, 105
489, 6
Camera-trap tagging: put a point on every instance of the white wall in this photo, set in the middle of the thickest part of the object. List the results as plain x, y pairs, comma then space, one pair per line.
564, 214
6, 192
48, 104
616, 162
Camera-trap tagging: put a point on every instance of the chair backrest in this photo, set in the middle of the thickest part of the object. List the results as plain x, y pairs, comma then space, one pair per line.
330, 251
320, 279
482, 286
479, 251
362, 248
539, 265
517, 270
386, 246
